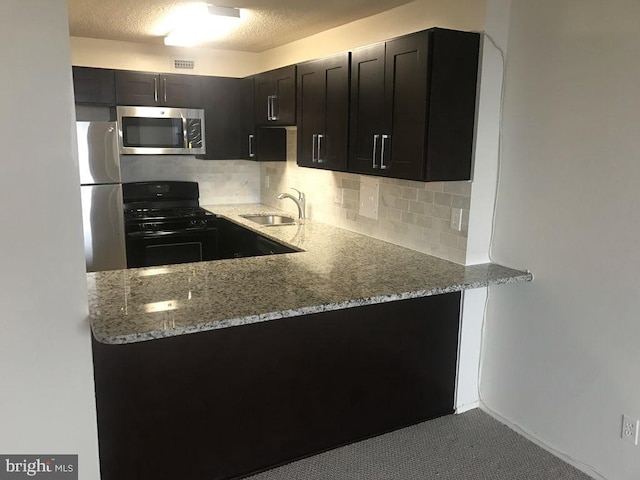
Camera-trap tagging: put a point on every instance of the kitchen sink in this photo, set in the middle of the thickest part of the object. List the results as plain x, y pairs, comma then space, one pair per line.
270, 220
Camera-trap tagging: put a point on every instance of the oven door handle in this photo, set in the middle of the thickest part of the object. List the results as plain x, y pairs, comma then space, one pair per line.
168, 233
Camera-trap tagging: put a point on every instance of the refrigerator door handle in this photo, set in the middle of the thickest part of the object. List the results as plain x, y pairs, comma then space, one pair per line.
103, 225
98, 157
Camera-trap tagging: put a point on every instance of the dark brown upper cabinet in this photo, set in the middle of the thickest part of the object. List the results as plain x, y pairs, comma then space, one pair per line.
258, 143
94, 86
221, 97
248, 119
153, 89
231, 131
413, 106
323, 112
275, 97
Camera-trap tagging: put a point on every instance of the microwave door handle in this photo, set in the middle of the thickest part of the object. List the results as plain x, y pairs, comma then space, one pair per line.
155, 89
185, 138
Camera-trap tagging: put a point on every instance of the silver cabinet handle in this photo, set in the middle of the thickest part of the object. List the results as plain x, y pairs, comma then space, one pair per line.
271, 107
375, 147
313, 148
164, 82
320, 137
155, 89
251, 153
382, 165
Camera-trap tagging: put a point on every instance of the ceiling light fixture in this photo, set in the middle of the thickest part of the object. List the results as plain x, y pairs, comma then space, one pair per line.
182, 38
223, 11
208, 24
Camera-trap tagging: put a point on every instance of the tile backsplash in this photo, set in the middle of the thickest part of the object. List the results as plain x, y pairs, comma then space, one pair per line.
220, 181
412, 214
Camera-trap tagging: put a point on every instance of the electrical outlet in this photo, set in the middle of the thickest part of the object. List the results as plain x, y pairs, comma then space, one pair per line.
338, 196
266, 181
630, 429
369, 195
456, 219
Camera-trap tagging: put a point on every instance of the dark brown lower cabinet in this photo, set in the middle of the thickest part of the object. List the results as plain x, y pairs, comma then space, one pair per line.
226, 403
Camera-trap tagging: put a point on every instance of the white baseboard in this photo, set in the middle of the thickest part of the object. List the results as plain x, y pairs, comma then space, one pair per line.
466, 408
587, 469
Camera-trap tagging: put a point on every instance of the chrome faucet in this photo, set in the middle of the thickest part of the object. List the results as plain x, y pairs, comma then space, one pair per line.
300, 201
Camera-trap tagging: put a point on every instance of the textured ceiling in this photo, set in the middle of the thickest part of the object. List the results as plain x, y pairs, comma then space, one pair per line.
270, 23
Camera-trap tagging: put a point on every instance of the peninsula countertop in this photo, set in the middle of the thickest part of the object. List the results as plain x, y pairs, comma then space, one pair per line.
334, 269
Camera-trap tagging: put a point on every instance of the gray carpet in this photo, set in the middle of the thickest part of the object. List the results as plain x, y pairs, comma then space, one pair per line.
471, 446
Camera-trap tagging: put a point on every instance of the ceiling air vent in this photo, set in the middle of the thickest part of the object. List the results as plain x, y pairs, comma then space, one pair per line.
184, 64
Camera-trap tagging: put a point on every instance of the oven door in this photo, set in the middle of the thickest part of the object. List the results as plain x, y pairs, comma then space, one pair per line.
148, 249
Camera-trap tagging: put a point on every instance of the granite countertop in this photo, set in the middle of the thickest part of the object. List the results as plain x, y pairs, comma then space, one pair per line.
334, 269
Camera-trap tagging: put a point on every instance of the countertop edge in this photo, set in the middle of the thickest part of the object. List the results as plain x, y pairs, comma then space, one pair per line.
263, 317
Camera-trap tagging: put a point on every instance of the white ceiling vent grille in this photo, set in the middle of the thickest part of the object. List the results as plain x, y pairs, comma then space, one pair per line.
184, 64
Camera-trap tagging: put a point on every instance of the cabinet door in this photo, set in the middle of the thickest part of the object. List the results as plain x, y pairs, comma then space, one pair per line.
402, 144
323, 112
137, 88
152, 89
246, 102
333, 146
222, 117
451, 115
367, 108
264, 91
311, 111
94, 86
234, 241
284, 104
271, 144
180, 91
275, 96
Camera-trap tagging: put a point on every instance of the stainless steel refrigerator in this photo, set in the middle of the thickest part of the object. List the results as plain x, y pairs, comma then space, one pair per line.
101, 187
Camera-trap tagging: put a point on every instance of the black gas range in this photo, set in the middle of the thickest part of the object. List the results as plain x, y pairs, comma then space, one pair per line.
164, 224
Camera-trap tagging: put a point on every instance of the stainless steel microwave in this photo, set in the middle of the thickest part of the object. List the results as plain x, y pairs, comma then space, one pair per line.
160, 131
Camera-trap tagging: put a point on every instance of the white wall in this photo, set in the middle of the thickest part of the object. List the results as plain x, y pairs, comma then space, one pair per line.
418, 15
93, 52
561, 358
47, 401
487, 141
